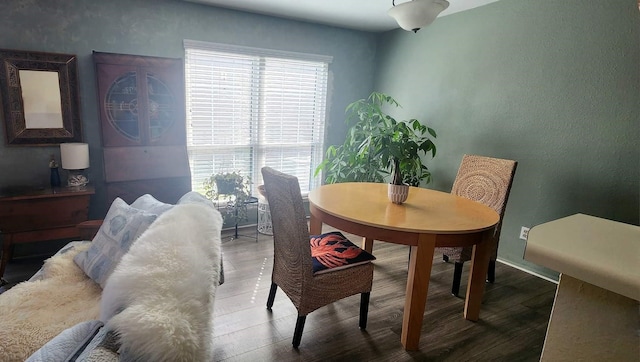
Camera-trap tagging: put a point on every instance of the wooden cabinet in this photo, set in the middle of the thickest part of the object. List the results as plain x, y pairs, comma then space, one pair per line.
29, 215
142, 116
141, 100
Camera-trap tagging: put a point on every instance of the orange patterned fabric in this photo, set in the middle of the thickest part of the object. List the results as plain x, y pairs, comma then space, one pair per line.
333, 251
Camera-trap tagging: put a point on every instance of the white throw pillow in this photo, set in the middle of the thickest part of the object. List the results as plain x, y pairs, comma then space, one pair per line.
193, 197
149, 203
120, 228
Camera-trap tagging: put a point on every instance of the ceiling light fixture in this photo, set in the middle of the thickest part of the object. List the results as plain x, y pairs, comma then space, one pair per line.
415, 14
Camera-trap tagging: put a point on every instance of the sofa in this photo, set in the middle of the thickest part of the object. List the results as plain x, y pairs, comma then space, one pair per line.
141, 290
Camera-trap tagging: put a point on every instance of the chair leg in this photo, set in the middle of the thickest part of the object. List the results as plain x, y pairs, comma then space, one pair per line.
364, 309
457, 276
297, 334
272, 295
491, 273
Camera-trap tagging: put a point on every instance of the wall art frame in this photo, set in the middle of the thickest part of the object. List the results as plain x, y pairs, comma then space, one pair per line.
40, 98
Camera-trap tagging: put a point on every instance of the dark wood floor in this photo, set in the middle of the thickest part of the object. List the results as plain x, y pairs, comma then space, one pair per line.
512, 324
512, 327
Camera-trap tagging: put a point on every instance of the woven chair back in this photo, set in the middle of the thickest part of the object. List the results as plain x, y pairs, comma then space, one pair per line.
292, 262
486, 180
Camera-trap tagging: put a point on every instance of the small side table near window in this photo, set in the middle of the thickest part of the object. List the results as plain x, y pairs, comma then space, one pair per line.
264, 217
40, 214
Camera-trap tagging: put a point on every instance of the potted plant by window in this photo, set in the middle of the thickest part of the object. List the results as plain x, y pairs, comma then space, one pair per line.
233, 189
378, 146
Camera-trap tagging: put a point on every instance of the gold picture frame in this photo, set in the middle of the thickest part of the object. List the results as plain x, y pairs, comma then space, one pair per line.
40, 101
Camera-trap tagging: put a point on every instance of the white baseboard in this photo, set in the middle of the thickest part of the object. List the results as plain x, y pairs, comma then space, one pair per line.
527, 271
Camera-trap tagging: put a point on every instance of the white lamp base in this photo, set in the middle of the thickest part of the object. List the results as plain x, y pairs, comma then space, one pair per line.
77, 179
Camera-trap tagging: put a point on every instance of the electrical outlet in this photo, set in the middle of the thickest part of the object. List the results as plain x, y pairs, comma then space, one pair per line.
524, 233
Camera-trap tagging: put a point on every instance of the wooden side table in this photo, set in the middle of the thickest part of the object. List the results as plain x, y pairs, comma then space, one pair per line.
28, 215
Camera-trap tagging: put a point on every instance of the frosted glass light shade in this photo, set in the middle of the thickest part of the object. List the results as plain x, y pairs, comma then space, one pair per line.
415, 14
74, 156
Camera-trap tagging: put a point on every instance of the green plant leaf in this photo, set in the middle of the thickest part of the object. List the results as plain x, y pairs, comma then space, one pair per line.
372, 143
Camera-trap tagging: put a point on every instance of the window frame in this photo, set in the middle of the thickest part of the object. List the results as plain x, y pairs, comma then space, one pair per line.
257, 147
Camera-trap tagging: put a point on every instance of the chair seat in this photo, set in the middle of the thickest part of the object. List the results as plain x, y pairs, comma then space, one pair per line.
333, 251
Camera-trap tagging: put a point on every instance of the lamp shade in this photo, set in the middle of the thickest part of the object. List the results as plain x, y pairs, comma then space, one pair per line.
415, 14
74, 156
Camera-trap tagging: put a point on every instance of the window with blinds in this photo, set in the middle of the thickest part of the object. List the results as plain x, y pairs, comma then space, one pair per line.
248, 108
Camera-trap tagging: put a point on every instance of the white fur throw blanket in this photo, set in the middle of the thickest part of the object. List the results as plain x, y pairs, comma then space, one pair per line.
33, 312
159, 299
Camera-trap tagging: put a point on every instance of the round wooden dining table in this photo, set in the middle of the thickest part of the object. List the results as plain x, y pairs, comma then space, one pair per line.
428, 219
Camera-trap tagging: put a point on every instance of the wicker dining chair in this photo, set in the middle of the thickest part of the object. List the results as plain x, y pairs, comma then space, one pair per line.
486, 180
294, 253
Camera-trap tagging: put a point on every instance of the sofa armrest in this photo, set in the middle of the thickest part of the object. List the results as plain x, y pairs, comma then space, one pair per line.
89, 229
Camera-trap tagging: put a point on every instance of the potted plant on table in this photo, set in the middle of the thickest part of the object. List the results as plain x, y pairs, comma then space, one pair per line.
378, 146
232, 188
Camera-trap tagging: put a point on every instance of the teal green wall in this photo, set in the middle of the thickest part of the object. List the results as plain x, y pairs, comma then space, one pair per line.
158, 28
552, 84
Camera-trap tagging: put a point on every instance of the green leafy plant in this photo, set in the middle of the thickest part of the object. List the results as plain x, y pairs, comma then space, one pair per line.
377, 145
231, 188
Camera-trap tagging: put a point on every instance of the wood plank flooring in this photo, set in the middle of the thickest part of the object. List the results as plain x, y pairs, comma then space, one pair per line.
512, 324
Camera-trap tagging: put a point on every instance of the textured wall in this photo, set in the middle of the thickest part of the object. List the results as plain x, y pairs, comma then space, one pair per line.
157, 28
554, 85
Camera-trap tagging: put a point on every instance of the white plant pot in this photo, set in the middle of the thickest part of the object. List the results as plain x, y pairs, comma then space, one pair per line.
398, 193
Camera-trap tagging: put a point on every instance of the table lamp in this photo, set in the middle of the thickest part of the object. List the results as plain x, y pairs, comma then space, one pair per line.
75, 159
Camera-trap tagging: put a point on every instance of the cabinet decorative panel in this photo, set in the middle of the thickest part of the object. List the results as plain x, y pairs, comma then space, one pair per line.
141, 100
142, 115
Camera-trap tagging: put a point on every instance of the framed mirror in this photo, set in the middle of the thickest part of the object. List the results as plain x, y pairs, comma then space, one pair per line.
40, 104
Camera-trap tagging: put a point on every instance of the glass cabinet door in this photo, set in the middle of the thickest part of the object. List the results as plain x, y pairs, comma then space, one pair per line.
141, 100
161, 107
121, 105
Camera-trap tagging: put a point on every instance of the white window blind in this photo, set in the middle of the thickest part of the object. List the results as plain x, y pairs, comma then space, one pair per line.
248, 108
